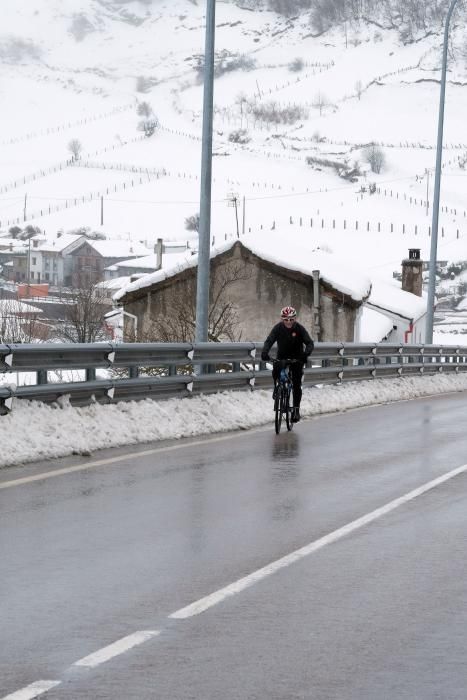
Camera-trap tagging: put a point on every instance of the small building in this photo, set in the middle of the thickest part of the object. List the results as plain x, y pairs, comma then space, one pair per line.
250, 281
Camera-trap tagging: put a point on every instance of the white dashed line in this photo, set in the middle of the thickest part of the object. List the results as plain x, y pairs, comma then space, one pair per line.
117, 648
32, 691
232, 589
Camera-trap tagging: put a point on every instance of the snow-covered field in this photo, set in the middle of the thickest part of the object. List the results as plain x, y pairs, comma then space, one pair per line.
83, 84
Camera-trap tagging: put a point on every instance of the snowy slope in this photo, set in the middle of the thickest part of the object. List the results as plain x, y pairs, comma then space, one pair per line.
79, 68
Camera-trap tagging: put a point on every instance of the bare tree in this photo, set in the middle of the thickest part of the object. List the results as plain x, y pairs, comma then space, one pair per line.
144, 109
374, 155
18, 322
176, 322
148, 125
192, 222
297, 65
320, 101
84, 314
75, 147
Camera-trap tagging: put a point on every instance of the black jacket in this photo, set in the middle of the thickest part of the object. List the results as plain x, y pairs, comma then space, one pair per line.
290, 342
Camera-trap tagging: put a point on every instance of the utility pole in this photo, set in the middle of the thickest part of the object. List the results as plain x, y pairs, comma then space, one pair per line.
25, 205
102, 210
29, 267
204, 236
232, 201
437, 188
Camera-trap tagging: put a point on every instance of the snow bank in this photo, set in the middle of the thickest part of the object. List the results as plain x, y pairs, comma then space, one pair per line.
60, 430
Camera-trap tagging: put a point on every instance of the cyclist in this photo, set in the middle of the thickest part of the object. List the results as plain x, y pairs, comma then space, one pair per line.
293, 343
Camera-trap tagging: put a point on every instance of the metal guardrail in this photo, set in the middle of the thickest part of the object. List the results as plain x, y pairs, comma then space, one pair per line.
160, 370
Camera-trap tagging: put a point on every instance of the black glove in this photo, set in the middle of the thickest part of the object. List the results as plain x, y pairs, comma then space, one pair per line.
265, 356
305, 358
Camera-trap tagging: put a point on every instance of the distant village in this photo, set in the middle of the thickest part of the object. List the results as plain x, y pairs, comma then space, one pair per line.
80, 287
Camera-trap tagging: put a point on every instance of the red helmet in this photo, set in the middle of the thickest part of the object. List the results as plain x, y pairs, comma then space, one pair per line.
288, 312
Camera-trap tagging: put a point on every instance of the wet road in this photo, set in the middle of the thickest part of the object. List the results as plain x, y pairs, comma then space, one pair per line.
98, 559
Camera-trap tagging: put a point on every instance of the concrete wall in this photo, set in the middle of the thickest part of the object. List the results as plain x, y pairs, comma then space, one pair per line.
260, 293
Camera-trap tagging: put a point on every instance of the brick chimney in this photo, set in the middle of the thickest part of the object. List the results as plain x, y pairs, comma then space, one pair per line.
412, 268
158, 249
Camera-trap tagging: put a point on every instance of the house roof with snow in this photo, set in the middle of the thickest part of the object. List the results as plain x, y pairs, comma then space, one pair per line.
374, 326
15, 307
115, 283
114, 248
58, 244
150, 262
389, 299
276, 249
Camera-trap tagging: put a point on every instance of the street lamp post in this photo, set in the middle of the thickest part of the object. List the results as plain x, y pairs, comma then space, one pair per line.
436, 193
204, 236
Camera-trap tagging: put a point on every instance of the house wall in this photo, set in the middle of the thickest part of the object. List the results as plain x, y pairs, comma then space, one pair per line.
404, 331
86, 266
259, 295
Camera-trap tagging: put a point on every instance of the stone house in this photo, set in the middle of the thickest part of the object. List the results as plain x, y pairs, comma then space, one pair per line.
251, 280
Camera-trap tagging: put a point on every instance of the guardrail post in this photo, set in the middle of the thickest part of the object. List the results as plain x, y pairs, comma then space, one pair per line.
133, 372
41, 376
90, 374
172, 371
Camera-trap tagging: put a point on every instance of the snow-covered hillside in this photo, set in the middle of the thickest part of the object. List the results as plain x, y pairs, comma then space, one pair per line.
78, 69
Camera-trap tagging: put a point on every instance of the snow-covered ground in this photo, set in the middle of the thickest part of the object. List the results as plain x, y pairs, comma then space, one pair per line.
60, 430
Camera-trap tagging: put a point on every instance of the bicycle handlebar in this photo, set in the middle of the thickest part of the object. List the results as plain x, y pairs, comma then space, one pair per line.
285, 362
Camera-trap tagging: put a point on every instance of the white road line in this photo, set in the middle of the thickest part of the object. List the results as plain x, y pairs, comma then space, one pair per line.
117, 648
232, 589
121, 458
32, 691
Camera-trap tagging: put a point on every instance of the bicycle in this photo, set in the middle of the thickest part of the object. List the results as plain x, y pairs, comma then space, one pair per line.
282, 392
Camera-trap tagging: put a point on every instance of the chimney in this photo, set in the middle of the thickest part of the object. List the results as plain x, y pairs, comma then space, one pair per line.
158, 248
412, 272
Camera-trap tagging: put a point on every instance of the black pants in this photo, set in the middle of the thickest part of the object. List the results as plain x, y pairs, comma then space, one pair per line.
296, 371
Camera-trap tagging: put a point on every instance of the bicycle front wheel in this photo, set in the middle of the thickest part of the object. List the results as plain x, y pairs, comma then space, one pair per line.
278, 410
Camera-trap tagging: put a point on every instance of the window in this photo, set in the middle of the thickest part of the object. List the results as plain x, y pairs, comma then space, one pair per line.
34, 261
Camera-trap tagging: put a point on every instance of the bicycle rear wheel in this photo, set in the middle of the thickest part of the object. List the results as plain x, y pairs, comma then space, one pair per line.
278, 410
